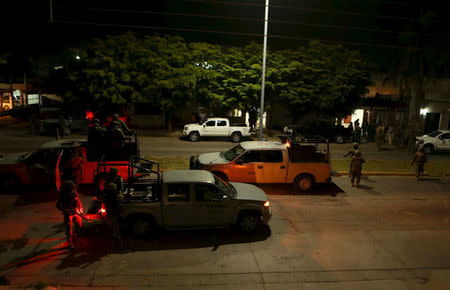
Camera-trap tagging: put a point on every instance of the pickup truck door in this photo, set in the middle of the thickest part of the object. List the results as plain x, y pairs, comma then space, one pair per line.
212, 206
178, 207
275, 165
41, 166
210, 128
245, 168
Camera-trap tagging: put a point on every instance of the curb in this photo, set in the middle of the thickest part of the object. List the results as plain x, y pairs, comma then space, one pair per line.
374, 173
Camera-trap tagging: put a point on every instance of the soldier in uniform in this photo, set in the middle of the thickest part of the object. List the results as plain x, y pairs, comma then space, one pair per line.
69, 203
419, 159
379, 136
122, 125
351, 153
75, 166
96, 141
112, 209
116, 139
356, 168
114, 177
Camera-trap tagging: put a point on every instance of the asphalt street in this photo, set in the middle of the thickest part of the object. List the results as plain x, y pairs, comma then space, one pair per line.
17, 137
393, 233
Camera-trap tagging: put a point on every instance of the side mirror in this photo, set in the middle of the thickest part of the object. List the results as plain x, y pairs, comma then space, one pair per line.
204, 125
239, 161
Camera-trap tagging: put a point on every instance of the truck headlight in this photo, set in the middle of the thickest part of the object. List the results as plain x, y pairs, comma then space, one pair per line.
267, 204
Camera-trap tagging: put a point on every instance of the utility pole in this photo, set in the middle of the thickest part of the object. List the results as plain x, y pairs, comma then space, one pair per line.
263, 77
51, 11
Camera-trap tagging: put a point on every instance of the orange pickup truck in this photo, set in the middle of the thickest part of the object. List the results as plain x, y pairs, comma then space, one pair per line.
302, 164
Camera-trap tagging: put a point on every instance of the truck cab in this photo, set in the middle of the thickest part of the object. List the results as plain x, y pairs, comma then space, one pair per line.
302, 164
184, 199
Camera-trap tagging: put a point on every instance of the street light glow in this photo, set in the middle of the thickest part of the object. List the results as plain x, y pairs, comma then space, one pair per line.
77, 57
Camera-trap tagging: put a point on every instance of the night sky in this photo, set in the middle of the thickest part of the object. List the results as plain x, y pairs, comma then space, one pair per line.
371, 26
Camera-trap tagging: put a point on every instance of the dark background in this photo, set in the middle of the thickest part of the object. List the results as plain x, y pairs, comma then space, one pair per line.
378, 28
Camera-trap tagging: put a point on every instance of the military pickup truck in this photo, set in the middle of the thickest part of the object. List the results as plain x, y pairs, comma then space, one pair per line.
215, 127
188, 199
50, 160
302, 164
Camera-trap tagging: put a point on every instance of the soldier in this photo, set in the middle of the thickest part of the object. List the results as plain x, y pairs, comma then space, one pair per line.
96, 141
379, 136
114, 177
356, 168
122, 125
420, 158
112, 209
116, 139
352, 151
69, 203
75, 166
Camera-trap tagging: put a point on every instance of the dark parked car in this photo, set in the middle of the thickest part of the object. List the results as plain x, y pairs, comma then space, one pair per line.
319, 130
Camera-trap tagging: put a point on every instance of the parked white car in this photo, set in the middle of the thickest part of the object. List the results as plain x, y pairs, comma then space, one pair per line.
437, 140
215, 127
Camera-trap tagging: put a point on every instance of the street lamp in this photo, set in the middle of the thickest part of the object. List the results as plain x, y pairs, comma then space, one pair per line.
263, 76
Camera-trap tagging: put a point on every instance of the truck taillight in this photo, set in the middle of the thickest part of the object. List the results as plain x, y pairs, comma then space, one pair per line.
267, 204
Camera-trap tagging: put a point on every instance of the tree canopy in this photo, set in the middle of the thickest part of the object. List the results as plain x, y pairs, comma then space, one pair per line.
170, 73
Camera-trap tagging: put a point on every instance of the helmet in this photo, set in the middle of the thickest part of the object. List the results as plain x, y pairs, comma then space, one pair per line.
355, 145
115, 117
116, 124
113, 170
96, 121
67, 185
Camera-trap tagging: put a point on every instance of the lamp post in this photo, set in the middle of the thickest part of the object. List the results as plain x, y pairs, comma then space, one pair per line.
263, 77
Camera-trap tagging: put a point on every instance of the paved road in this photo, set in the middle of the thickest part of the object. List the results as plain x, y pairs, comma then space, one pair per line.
16, 137
394, 233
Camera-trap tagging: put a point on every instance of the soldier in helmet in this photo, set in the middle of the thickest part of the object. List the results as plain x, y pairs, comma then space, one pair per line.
419, 159
116, 139
111, 202
353, 150
356, 168
122, 125
114, 177
96, 140
70, 205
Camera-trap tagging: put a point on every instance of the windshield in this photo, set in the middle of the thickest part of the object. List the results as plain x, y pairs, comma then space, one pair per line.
434, 134
232, 153
225, 186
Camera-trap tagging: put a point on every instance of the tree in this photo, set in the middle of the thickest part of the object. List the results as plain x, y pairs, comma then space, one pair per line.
323, 78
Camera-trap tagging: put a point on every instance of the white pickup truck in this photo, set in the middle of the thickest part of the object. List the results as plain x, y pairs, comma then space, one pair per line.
215, 127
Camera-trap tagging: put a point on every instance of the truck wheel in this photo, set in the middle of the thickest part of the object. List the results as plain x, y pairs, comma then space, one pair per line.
428, 148
339, 139
249, 222
9, 183
303, 182
236, 137
194, 136
141, 226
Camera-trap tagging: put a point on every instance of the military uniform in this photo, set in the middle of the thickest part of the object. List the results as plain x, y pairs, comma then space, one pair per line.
96, 141
419, 159
356, 168
352, 152
69, 203
110, 195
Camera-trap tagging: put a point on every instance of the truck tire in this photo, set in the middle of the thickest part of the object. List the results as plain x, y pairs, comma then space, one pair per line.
249, 222
194, 136
428, 148
236, 137
9, 183
141, 226
303, 182
221, 175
